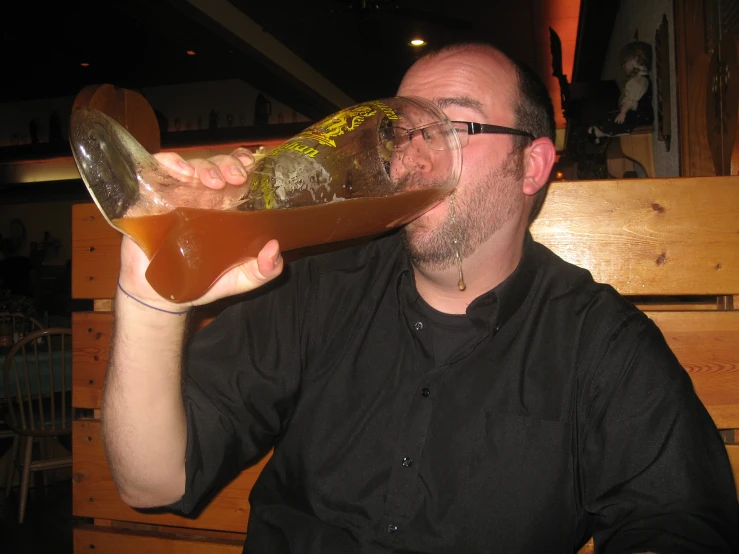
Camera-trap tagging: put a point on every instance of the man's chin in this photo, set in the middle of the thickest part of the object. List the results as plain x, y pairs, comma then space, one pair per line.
424, 248
429, 220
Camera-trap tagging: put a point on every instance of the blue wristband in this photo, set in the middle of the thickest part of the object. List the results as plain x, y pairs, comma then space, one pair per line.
147, 305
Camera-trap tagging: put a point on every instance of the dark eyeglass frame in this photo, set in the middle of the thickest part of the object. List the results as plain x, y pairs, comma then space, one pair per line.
474, 128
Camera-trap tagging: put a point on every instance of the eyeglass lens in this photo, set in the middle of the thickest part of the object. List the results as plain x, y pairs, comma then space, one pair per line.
436, 136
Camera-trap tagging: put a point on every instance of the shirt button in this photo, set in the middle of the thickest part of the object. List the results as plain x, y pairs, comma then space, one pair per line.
407, 461
392, 528
418, 326
425, 392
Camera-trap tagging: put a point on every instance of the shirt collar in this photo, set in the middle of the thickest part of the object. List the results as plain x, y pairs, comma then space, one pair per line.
489, 311
496, 307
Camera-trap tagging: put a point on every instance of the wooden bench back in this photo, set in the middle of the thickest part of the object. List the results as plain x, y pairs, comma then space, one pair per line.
672, 245
648, 237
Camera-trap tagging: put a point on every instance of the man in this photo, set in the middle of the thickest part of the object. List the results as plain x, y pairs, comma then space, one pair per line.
452, 388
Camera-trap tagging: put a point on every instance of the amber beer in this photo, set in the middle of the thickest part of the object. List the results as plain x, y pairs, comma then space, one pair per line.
190, 248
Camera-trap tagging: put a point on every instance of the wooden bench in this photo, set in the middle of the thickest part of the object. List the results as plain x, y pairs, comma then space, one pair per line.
670, 244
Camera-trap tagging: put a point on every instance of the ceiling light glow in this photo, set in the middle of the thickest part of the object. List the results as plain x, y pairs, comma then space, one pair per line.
85, 64
190, 52
418, 42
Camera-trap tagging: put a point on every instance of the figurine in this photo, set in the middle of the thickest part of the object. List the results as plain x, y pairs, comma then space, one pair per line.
213, 119
262, 110
635, 103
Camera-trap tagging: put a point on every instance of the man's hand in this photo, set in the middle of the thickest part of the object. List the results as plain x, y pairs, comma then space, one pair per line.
216, 172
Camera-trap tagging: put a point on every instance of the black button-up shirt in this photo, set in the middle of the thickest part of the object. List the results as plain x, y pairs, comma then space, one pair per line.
551, 411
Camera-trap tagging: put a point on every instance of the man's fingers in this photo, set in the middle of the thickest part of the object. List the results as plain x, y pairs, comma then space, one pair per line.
244, 155
180, 168
232, 168
214, 172
208, 173
205, 170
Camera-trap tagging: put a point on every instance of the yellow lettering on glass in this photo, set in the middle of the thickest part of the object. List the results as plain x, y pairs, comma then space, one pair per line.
387, 110
297, 147
341, 122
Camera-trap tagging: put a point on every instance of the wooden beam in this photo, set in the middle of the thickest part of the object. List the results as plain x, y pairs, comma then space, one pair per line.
236, 22
107, 540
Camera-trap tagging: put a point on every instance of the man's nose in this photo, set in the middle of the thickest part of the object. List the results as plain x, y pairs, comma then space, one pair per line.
416, 157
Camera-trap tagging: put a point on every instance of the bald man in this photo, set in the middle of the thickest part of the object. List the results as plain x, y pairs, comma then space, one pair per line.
451, 387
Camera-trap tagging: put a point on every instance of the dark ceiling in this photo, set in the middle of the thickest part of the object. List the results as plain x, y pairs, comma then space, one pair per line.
358, 48
361, 46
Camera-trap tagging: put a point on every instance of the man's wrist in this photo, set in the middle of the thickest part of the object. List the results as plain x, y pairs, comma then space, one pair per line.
171, 309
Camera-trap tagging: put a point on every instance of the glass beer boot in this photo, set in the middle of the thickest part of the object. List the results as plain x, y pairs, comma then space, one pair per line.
359, 172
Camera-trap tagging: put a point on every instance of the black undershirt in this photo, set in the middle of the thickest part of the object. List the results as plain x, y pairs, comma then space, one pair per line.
450, 333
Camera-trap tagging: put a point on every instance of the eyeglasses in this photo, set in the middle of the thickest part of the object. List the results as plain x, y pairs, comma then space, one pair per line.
437, 136
466, 128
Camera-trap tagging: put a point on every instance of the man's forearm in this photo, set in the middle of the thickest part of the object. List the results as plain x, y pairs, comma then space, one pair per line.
143, 419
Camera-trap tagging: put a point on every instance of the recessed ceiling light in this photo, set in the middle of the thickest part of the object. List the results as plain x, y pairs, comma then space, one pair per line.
84, 64
190, 52
418, 42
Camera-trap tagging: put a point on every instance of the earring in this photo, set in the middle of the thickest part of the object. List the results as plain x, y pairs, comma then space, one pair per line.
452, 216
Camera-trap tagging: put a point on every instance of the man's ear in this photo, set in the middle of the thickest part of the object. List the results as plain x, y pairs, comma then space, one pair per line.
539, 158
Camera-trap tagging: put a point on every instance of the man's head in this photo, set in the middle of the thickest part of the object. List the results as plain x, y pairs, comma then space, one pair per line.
502, 175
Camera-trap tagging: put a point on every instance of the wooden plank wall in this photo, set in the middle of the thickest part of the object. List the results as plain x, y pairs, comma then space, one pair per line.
705, 342
94, 493
643, 236
692, 68
676, 238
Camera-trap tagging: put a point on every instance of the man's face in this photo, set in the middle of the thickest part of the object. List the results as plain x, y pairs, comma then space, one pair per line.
469, 86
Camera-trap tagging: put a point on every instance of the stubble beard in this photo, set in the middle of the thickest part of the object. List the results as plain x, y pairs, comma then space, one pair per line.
482, 211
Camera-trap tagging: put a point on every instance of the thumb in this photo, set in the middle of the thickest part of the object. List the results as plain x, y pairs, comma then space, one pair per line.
247, 276
269, 261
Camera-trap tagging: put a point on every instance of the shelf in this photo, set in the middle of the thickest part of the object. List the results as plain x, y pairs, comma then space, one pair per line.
44, 163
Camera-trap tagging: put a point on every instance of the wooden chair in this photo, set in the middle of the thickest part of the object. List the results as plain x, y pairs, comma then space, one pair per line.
20, 324
35, 385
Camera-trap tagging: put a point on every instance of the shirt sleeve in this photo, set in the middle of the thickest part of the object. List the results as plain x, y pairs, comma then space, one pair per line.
654, 472
242, 374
